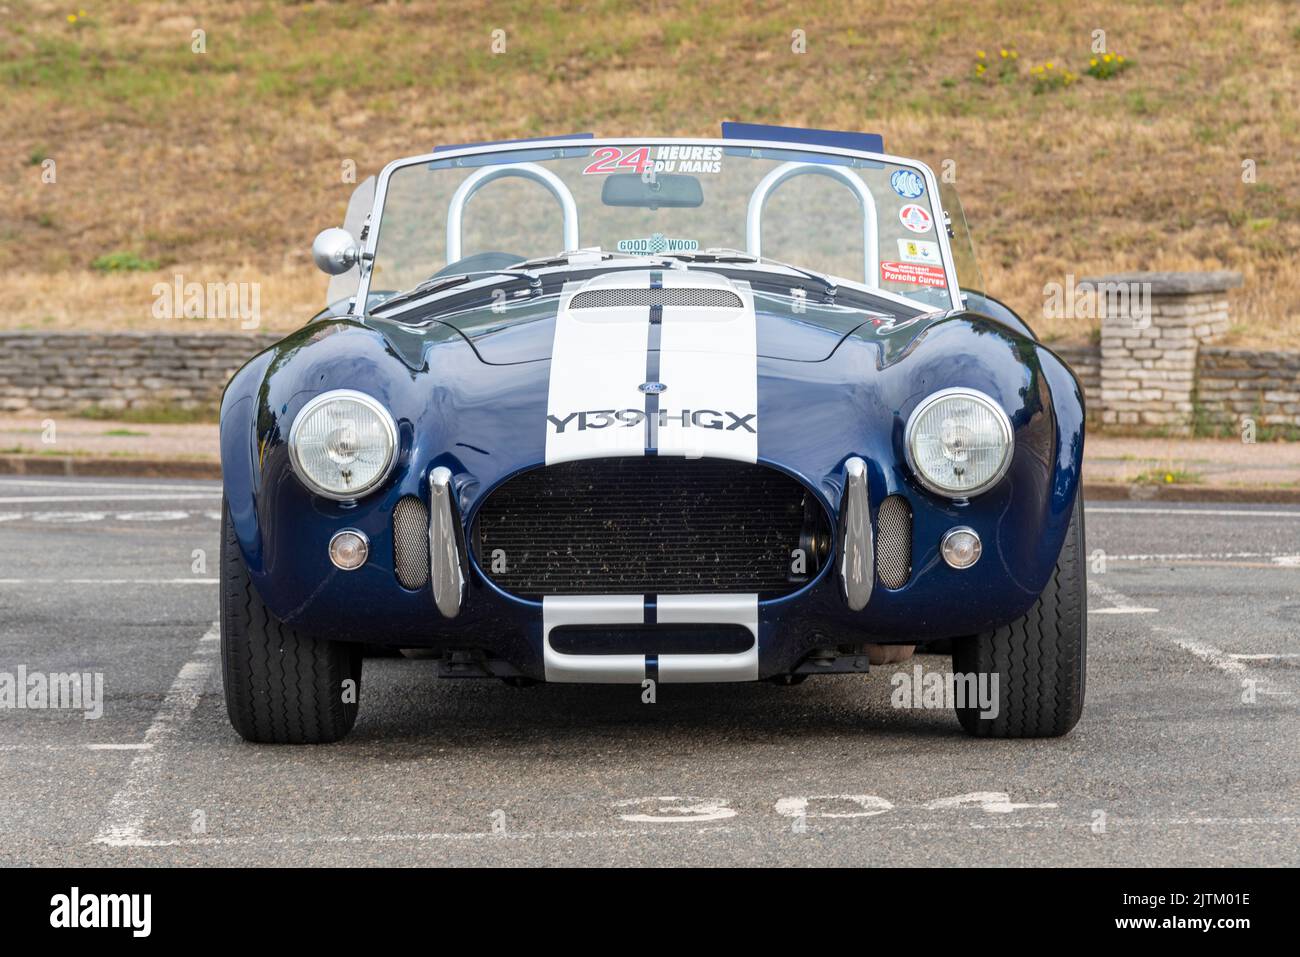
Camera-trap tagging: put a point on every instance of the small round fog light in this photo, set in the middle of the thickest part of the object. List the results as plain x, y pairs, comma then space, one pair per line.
349, 549
961, 547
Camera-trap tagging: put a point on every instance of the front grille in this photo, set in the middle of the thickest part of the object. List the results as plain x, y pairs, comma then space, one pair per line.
894, 542
411, 542
649, 526
705, 298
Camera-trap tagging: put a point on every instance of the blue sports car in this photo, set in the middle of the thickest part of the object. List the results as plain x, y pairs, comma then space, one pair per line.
653, 410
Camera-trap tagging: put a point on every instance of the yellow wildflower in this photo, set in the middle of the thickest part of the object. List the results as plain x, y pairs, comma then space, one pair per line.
979, 54
1092, 62
1108, 57
72, 18
1004, 54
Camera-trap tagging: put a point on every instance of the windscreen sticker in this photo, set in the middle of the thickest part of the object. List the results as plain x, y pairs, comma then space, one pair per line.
688, 159
915, 218
666, 159
907, 184
657, 243
611, 159
913, 273
919, 251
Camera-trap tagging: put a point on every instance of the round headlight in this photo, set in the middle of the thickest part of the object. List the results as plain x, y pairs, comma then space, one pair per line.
958, 442
343, 444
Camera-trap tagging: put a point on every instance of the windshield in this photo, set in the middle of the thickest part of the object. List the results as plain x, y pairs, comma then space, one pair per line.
873, 221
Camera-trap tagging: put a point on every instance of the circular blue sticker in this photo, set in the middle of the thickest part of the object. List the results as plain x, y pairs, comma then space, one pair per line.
907, 184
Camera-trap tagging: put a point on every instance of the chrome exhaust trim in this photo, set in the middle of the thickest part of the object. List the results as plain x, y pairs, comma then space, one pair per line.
857, 552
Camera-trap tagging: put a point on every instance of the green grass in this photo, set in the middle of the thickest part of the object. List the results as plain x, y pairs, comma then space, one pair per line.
123, 262
125, 433
157, 414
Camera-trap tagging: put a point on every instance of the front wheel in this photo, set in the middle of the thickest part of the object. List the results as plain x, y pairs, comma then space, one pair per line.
1039, 660
282, 687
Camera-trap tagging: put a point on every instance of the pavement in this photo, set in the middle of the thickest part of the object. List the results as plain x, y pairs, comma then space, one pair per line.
1186, 753
1115, 466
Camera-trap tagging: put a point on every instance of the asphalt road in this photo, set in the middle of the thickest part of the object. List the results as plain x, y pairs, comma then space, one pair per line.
1186, 753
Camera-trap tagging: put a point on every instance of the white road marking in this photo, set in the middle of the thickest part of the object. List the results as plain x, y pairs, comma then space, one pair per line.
94, 746
1206, 652
45, 499
123, 823
109, 581
605, 834
137, 486
1264, 657
1119, 604
1244, 512
1188, 556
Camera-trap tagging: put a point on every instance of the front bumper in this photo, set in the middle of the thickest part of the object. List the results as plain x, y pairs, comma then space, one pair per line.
463, 610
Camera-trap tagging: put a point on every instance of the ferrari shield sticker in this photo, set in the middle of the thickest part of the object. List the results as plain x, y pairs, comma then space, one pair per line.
915, 274
915, 218
919, 251
907, 184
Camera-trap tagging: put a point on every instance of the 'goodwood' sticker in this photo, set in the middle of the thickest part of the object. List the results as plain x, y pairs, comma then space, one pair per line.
914, 274
915, 218
919, 251
657, 243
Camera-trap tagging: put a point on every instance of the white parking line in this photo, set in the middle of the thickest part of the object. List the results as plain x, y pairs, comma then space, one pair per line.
1119, 604
109, 581
659, 833
44, 499
1229, 664
123, 823
135, 486
1244, 512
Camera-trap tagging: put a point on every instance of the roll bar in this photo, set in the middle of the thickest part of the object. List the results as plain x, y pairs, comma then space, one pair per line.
481, 177
866, 202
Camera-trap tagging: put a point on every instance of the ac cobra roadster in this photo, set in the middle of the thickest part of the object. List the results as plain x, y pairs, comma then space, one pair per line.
653, 410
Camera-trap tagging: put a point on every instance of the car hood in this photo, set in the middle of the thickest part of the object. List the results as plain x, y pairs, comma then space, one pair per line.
608, 315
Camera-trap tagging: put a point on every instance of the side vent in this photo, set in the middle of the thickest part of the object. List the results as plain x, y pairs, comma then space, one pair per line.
894, 542
411, 542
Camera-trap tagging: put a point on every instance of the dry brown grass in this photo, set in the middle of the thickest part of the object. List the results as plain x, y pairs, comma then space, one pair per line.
223, 165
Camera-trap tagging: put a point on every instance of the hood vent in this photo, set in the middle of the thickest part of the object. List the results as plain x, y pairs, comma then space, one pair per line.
690, 297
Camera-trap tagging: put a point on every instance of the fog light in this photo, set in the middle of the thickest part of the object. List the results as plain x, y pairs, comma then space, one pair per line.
349, 549
961, 547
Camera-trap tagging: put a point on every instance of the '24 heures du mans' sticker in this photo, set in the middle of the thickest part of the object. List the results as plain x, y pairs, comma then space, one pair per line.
915, 218
914, 273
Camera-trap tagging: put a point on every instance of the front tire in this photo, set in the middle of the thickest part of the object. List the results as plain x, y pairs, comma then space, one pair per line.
1039, 659
282, 687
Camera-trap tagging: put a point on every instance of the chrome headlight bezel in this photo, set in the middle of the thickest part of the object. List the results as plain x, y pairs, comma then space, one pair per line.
909, 434
390, 430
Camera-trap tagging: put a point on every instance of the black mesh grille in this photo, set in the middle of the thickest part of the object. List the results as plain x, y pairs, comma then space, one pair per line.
651, 526
411, 542
621, 298
894, 542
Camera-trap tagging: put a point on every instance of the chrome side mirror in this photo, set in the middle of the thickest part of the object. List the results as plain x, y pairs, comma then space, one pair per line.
335, 251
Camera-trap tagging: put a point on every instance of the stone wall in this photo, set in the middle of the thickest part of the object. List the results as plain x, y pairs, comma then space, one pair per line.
61, 372
1238, 384
1152, 328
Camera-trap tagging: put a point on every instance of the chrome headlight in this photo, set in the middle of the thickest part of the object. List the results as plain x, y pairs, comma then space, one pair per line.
343, 444
958, 442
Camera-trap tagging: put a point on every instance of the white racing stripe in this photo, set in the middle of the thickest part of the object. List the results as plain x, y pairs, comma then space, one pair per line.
562, 610
598, 359
708, 359
705, 357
